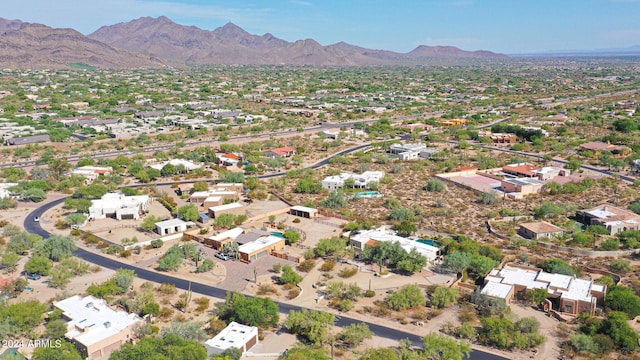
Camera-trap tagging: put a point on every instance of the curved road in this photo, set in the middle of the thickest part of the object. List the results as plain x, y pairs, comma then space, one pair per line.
34, 227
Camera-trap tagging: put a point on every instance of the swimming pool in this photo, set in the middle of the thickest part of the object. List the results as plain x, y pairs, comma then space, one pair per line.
278, 234
429, 242
368, 194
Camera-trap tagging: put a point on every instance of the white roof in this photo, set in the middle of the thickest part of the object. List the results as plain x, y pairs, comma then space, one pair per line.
98, 320
303, 208
497, 290
261, 243
213, 198
380, 234
226, 207
229, 234
176, 162
113, 200
568, 286
170, 222
234, 335
601, 213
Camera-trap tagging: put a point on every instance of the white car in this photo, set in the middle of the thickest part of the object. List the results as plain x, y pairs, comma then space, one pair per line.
36, 219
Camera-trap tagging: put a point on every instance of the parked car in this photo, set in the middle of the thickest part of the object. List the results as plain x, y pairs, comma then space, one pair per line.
33, 276
223, 256
36, 218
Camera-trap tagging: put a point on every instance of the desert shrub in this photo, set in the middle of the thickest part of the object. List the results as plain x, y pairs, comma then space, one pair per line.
293, 293
167, 289
265, 289
348, 272
369, 293
306, 265
328, 265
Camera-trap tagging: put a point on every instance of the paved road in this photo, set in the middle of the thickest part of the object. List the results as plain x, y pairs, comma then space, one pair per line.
109, 263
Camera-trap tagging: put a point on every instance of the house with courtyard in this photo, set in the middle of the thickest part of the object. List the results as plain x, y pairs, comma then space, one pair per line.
371, 237
615, 219
567, 294
260, 247
235, 335
280, 152
539, 229
361, 181
178, 163
94, 327
521, 170
91, 173
119, 206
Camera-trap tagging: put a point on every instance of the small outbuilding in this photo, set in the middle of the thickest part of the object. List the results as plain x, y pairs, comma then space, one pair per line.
171, 226
235, 335
303, 211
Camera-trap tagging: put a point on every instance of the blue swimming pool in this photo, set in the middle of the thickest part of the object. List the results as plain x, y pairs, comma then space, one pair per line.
429, 242
278, 234
367, 194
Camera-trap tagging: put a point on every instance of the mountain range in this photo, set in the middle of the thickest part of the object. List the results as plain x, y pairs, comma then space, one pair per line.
156, 42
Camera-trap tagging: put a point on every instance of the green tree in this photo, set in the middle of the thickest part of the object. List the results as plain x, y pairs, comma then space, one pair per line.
149, 223
482, 265
256, 311
170, 346
537, 296
444, 297
488, 198
76, 219
124, 279
583, 344
225, 221
436, 346
457, 261
616, 326
624, 299
56, 329
289, 276
620, 266
56, 247
309, 324
353, 335
307, 185
292, 236
406, 228
34, 194
188, 212
188, 330
66, 351
558, 266
39, 265
435, 185
380, 353
305, 352
335, 200
408, 296
573, 165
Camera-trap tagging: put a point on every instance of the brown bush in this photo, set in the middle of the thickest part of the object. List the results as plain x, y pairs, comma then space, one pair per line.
293, 293
348, 272
306, 265
328, 265
267, 289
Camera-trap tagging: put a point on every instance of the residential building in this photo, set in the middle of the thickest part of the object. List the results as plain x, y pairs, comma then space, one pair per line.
599, 147
186, 164
235, 335
280, 152
232, 208
171, 226
91, 173
119, 206
522, 186
28, 140
567, 294
361, 181
500, 138
613, 218
95, 328
540, 229
218, 241
372, 237
521, 170
303, 211
261, 247
229, 159
407, 151
4, 189
549, 172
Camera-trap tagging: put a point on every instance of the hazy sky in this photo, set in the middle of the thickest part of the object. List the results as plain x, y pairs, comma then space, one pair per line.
507, 26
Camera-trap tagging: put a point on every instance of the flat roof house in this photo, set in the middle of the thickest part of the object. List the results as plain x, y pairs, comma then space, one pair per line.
280, 152
362, 181
235, 335
171, 226
539, 229
95, 328
613, 218
521, 169
232, 208
28, 140
523, 186
370, 237
303, 211
260, 247
119, 206
566, 293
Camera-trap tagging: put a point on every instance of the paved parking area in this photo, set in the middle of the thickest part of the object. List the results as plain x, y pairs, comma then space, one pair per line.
239, 274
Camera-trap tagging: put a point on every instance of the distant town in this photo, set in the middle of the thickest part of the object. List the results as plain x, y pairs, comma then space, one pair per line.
482, 211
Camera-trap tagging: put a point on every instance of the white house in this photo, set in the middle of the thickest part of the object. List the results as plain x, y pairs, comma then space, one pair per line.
188, 165
361, 181
235, 335
171, 226
407, 151
4, 189
95, 328
119, 206
370, 237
